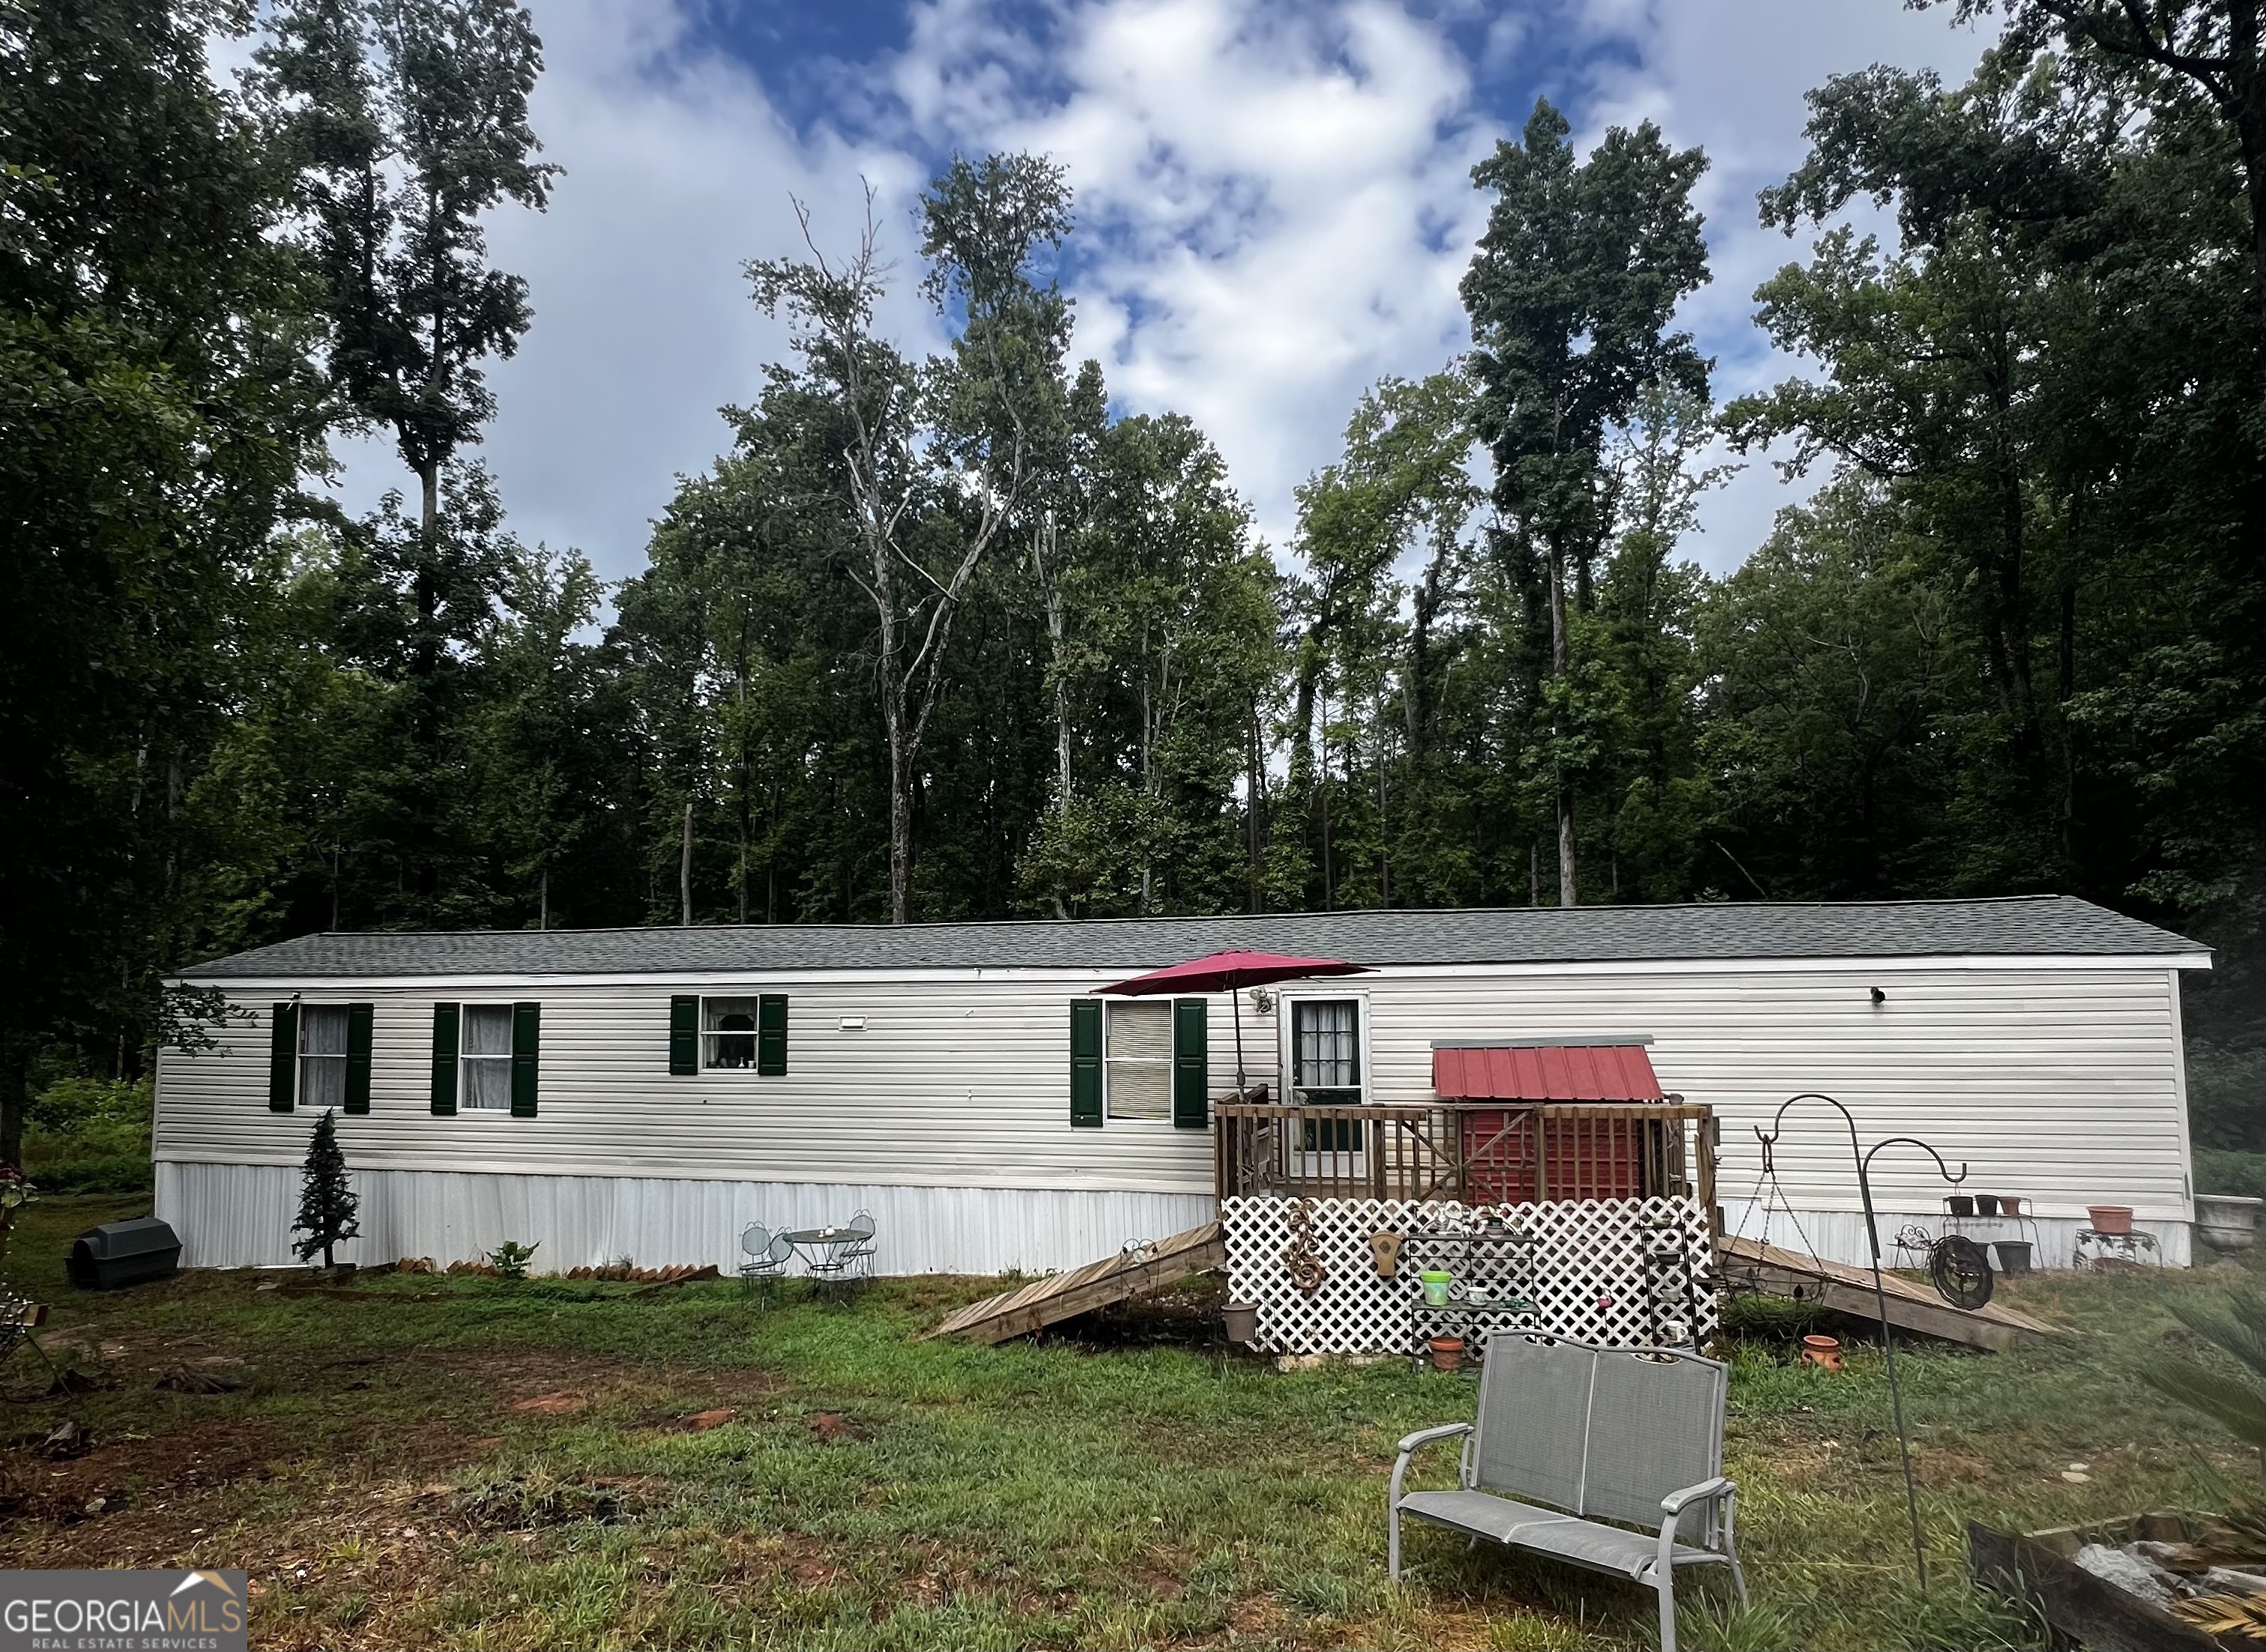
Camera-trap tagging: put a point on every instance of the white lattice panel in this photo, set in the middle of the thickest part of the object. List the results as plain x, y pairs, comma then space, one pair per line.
1593, 1272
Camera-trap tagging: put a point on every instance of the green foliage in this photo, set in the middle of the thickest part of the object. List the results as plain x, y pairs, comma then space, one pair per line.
327, 1201
2223, 1170
511, 1259
2237, 1329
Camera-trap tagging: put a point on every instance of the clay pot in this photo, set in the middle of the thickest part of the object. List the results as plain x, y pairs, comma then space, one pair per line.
2110, 1218
1824, 1352
1447, 1353
2009, 1204
1241, 1319
1960, 1204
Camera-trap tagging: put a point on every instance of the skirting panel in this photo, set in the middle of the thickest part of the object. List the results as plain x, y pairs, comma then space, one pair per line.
1620, 1273
239, 1216
1839, 1236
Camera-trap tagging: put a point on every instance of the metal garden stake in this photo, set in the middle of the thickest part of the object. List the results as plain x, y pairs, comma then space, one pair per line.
1864, 1161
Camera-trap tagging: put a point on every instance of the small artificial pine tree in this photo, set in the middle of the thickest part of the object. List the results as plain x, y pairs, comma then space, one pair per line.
327, 1200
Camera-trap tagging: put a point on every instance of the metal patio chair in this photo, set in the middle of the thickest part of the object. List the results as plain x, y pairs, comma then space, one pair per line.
767, 1256
860, 1255
1574, 1445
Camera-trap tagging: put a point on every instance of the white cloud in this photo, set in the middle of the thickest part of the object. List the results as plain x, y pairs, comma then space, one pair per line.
1274, 201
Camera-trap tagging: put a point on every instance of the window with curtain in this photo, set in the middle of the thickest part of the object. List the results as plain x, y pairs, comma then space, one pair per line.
1137, 1060
323, 1056
728, 1033
484, 1062
1325, 1056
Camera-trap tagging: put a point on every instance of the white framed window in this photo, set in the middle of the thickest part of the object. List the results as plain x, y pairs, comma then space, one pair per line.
323, 1056
484, 1059
1327, 1068
1137, 1059
727, 1032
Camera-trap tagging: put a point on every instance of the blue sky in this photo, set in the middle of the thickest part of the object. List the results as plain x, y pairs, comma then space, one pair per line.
1275, 203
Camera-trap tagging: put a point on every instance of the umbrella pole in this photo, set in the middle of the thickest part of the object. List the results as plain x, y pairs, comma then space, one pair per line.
1235, 1004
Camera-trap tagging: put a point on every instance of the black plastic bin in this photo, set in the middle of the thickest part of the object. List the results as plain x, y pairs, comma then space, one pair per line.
124, 1254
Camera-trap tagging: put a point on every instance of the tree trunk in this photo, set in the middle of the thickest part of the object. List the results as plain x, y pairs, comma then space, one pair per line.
1559, 669
685, 868
901, 822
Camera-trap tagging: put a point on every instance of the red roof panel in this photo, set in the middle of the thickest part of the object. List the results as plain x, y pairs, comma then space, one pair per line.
1546, 1072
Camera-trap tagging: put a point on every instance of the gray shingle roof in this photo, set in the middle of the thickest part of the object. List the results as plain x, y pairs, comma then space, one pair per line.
1870, 929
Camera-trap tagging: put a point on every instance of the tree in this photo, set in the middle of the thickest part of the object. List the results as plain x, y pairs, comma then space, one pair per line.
1571, 294
155, 406
933, 463
327, 1201
2216, 47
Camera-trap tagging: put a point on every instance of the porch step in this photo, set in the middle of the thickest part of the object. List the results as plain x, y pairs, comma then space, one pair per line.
1849, 1290
1043, 1302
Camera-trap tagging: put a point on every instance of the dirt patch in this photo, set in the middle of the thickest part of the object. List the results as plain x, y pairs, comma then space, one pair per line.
552, 1405
1185, 1314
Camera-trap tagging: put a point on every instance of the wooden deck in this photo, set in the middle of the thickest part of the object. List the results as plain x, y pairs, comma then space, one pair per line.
1059, 1297
1849, 1290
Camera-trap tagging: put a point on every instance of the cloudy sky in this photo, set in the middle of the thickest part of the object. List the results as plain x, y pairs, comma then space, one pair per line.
1274, 201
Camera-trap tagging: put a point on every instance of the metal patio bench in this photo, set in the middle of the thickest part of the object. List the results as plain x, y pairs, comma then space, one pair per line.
1574, 1445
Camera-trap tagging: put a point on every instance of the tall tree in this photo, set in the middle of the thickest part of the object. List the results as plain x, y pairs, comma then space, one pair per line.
933, 461
156, 406
1570, 295
2216, 49
406, 122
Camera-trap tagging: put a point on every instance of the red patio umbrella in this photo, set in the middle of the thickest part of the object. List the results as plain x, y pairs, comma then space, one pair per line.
1230, 972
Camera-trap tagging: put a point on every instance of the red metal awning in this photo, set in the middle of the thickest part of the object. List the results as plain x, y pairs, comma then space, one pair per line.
1546, 1073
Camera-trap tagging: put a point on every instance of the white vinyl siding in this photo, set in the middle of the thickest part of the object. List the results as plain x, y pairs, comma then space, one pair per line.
2058, 1083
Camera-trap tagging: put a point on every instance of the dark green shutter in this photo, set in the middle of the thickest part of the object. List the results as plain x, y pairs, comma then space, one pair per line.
444, 1059
684, 1034
1086, 1062
359, 1020
283, 1059
526, 1026
1191, 1067
770, 1035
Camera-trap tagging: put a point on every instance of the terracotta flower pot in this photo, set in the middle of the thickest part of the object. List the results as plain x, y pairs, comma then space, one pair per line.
2110, 1218
1447, 1353
2010, 1204
1824, 1352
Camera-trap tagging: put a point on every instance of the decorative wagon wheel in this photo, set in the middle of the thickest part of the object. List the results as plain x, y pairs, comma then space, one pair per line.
1962, 1271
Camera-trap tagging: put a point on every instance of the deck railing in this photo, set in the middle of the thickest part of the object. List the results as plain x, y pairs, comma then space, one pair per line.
1474, 1153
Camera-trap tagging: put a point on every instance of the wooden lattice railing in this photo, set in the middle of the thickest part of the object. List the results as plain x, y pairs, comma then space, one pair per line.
1474, 1153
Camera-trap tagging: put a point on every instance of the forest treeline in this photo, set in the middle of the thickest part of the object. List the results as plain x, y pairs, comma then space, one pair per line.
954, 635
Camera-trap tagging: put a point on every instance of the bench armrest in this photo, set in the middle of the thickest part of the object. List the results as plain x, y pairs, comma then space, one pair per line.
1409, 1446
1677, 1501
1672, 1507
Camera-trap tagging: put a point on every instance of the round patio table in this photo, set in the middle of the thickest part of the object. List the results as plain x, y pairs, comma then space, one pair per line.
824, 1250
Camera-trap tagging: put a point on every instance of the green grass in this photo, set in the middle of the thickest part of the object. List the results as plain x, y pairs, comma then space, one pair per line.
871, 1490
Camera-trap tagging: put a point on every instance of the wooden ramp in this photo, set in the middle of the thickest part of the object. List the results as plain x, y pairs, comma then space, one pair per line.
1064, 1296
1849, 1290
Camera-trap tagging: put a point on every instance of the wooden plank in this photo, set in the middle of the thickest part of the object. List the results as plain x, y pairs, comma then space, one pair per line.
1848, 1289
1045, 1302
2077, 1605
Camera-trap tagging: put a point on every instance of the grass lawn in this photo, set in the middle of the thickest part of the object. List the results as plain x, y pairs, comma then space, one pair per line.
463, 1462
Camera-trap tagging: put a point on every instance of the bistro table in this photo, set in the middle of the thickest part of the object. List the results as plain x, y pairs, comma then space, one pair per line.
825, 1252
